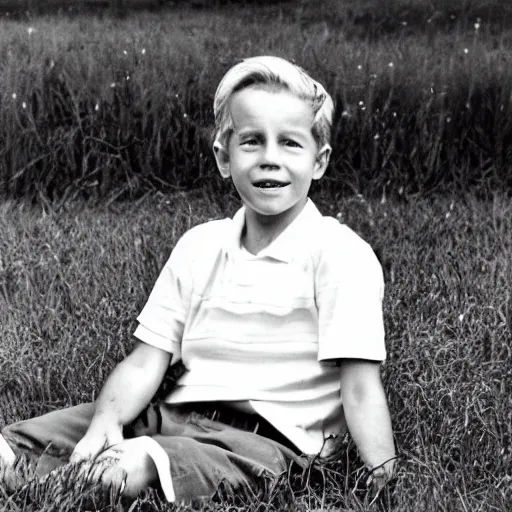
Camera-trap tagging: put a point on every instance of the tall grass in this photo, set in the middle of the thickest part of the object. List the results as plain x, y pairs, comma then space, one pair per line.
112, 108
72, 283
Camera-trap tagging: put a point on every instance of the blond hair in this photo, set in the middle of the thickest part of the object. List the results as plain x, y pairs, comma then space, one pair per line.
273, 72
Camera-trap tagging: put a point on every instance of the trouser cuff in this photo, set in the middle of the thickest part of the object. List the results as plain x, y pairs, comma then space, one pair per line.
7, 455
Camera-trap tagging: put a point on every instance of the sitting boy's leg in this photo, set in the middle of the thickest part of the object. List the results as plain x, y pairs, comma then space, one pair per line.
204, 454
188, 455
47, 440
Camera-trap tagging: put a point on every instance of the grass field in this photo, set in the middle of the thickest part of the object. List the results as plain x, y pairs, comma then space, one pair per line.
72, 284
99, 109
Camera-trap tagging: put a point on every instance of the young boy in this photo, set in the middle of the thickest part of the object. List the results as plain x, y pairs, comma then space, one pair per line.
276, 315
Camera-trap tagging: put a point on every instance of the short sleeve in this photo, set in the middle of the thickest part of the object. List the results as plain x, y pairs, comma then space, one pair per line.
349, 289
162, 320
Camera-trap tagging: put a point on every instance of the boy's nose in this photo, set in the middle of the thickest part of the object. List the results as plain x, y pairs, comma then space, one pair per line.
270, 157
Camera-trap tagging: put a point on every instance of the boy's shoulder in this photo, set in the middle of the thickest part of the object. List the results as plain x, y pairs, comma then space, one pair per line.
341, 253
336, 239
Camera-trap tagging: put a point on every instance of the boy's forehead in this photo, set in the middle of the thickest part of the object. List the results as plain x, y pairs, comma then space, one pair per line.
259, 92
270, 103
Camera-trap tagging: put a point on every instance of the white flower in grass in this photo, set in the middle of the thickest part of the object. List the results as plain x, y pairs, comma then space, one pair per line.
112, 85
359, 67
361, 103
97, 107
391, 65
14, 95
404, 23
31, 30
23, 105
125, 52
477, 26
127, 77
466, 51
185, 115
376, 136
143, 51
461, 317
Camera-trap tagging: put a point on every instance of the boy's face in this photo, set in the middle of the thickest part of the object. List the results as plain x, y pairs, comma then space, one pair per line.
272, 155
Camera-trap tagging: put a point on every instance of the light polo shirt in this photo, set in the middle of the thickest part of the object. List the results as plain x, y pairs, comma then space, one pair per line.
264, 329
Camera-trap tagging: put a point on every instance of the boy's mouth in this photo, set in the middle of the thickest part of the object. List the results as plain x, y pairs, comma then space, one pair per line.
270, 184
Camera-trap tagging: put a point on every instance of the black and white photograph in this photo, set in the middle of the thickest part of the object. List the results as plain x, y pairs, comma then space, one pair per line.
255, 255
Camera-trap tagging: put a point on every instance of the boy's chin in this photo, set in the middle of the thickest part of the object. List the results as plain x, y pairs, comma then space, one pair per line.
275, 210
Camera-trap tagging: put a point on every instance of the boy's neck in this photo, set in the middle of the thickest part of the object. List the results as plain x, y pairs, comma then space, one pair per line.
261, 230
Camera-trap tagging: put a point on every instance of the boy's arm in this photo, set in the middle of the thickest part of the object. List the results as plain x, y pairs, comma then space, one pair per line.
367, 415
128, 389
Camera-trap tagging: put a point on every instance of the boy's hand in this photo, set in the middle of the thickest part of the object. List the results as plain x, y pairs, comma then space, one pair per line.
96, 441
379, 477
125, 394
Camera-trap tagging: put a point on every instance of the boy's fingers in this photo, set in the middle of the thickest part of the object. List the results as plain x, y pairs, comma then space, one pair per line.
99, 470
76, 457
80, 454
376, 487
91, 446
378, 481
114, 479
86, 450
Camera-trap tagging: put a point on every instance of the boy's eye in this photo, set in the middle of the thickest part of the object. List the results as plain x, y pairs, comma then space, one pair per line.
291, 143
249, 142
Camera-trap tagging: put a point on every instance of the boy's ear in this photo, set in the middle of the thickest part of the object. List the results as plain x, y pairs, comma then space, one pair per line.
322, 161
222, 159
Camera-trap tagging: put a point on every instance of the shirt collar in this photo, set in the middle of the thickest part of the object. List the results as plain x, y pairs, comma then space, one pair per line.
287, 244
